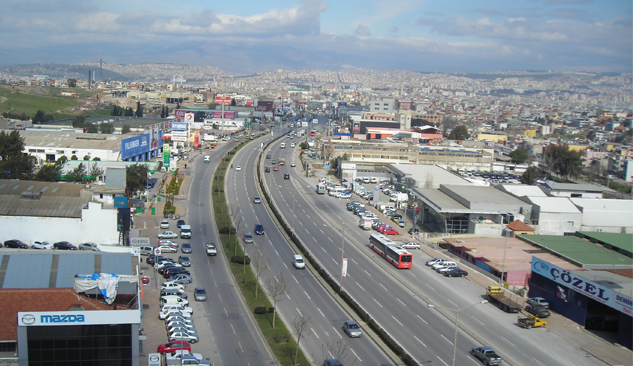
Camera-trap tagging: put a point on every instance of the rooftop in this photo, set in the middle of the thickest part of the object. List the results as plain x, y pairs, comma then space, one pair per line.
578, 251
521, 190
427, 176
574, 187
623, 242
71, 140
554, 204
35, 198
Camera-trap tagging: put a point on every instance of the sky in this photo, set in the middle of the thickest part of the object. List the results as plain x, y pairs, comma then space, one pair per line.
247, 36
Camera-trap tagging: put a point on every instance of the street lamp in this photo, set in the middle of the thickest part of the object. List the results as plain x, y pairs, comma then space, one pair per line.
342, 257
456, 321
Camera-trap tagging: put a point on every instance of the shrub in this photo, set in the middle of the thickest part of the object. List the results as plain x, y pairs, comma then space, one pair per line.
240, 259
260, 310
277, 337
226, 230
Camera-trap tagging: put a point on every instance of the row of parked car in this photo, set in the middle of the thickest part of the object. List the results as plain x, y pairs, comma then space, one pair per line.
171, 269
61, 245
446, 267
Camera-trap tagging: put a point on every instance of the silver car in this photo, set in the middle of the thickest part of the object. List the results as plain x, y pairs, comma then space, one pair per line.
184, 261
248, 238
89, 246
181, 278
352, 329
200, 294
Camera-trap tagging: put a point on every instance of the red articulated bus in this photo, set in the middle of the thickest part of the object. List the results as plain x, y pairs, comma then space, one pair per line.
389, 250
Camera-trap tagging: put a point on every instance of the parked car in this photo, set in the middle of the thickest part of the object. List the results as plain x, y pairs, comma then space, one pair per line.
411, 245
167, 248
538, 310
164, 224
186, 248
64, 245
189, 337
167, 235
434, 261
200, 294
352, 329
184, 261
15, 243
89, 246
413, 230
401, 223
390, 231
180, 223
248, 238
173, 346
173, 292
455, 272
172, 285
170, 272
41, 245
181, 278
538, 301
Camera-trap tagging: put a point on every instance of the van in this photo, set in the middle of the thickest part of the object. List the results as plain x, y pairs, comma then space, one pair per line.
185, 231
298, 261
146, 250
173, 300
365, 224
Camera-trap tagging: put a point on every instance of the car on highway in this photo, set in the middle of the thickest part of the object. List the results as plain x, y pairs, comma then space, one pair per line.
454, 272
286, 176
274, 162
390, 231
538, 301
15, 243
200, 294
259, 229
184, 261
167, 235
37, 244
332, 362
352, 329
211, 249
257, 199
268, 157
248, 238
293, 164
164, 224
238, 168
411, 245
267, 169
64, 245
292, 144
89, 246
173, 346
276, 169
180, 223
207, 159
298, 262
186, 248
538, 311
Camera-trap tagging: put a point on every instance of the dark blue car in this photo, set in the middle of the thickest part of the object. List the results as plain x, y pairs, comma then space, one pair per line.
259, 229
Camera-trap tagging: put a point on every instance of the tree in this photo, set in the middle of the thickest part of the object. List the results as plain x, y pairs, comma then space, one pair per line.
96, 158
338, 349
458, 133
79, 121
107, 128
14, 163
39, 116
91, 127
260, 263
135, 176
162, 112
448, 123
78, 174
530, 175
74, 157
304, 145
62, 159
125, 129
300, 325
49, 172
139, 109
72, 83
86, 157
564, 162
518, 156
276, 289
95, 172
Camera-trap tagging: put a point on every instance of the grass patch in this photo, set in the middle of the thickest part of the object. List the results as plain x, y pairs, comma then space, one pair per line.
26, 100
279, 338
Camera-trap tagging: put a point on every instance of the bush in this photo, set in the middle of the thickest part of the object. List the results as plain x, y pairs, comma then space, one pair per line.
277, 337
271, 310
240, 259
260, 310
226, 230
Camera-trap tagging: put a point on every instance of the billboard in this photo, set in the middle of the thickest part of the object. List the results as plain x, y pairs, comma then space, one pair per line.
179, 126
249, 102
166, 155
134, 146
223, 100
179, 138
189, 117
154, 139
229, 115
589, 288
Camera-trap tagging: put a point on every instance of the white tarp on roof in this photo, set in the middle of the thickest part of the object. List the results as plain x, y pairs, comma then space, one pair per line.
106, 282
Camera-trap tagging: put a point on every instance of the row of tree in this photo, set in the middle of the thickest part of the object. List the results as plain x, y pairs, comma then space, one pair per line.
127, 112
39, 117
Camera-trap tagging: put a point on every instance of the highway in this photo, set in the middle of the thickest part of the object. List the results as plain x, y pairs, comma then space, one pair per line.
398, 299
229, 335
305, 296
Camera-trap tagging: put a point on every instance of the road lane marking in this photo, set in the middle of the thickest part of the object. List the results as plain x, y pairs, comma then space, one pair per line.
449, 300
288, 296
354, 261
356, 355
540, 363
446, 339
422, 319
315, 333
382, 286
367, 273
416, 338
438, 357
480, 322
377, 302
226, 313
299, 312
361, 287
401, 301
513, 345
242, 349
233, 328
321, 312
394, 318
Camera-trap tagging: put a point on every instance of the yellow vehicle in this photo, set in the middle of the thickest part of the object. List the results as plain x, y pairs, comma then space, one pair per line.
532, 322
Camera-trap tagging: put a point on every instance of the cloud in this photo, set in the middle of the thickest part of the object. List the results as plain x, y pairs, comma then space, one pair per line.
362, 30
393, 31
48, 6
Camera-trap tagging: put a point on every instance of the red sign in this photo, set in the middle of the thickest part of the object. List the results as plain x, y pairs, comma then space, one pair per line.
145, 280
223, 100
249, 102
180, 113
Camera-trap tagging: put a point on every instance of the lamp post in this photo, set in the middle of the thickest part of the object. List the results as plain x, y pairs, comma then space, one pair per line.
342, 257
293, 214
456, 321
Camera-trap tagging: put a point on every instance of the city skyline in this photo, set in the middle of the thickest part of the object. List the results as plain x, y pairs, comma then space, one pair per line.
458, 36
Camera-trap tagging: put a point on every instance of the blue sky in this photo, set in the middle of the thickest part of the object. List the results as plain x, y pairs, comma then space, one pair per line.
243, 37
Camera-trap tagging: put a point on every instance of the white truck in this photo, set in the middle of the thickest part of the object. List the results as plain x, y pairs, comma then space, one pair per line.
365, 223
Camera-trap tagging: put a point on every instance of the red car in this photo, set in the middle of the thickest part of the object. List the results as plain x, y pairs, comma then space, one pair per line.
390, 231
173, 346
381, 228
276, 169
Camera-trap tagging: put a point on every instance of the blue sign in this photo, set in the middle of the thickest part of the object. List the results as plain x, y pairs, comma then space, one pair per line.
120, 202
134, 146
62, 319
179, 126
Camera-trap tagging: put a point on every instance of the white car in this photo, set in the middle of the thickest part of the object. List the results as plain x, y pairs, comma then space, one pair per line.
293, 164
174, 285
167, 248
292, 145
238, 168
164, 224
41, 245
411, 245
167, 235
169, 314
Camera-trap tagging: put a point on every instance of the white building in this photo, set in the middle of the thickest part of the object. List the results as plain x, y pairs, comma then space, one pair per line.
555, 215
605, 215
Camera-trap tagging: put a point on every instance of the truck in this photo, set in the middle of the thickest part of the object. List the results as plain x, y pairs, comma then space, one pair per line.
487, 355
496, 295
532, 322
282, 161
183, 357
365, 223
